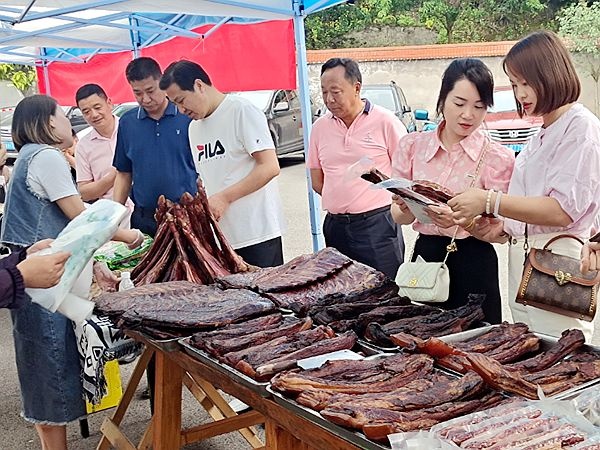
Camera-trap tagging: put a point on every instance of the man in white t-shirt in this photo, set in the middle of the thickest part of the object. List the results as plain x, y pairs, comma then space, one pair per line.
235, 157
95, 151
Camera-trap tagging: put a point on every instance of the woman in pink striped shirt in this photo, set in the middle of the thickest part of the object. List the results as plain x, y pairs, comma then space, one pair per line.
450, 156
555, 187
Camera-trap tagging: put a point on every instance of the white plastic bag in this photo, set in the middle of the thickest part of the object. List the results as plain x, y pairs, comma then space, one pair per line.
81, 237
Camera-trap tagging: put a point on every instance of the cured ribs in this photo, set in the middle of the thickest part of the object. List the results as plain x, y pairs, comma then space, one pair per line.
439, 323
316, 280
300, 271
181, 307
188, 245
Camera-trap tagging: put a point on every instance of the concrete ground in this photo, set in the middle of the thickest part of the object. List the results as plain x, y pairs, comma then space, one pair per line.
18, 435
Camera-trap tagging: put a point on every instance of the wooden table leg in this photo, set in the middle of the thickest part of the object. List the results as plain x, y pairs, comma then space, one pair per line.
132, 385
167, 404
278, 438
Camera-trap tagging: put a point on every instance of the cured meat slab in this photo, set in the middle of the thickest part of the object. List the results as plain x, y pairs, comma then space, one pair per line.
300, 271
440, 323
183, 306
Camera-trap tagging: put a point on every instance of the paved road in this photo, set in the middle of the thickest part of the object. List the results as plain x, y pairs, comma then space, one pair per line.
18, 435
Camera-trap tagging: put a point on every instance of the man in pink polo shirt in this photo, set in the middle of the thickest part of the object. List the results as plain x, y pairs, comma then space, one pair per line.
358, 221
95, 151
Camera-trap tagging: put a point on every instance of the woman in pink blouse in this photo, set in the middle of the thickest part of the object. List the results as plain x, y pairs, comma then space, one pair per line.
555, 187
449, 156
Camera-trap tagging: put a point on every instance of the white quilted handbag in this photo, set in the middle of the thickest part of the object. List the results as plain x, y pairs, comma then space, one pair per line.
423, 281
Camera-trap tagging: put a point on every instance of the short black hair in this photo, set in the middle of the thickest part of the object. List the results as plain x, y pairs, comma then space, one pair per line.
141, 68
184, 73
87, 90
351, 69
470, 69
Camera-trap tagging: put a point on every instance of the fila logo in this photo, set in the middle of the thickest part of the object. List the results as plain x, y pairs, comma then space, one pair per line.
209, 150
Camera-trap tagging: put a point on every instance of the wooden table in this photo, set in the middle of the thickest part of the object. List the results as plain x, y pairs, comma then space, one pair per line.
284, 430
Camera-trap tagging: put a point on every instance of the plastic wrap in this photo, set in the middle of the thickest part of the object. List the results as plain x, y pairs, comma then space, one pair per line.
588, 404
81, 237
517, 425
417, 440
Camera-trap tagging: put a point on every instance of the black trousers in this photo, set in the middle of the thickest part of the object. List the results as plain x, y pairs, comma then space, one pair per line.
263, 254
473, 270
372, 238
143, 219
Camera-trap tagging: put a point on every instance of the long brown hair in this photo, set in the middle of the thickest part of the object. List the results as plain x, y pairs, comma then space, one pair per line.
542, 60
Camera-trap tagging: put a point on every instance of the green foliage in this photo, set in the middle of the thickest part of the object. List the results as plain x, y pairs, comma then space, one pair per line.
329, 28
442, 15
579, 26
22, 77
453, 20
482, 20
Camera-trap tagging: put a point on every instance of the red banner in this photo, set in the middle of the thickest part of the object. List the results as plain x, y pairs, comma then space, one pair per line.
238, 57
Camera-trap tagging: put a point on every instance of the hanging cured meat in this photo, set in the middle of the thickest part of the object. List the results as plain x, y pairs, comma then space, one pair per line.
188, 245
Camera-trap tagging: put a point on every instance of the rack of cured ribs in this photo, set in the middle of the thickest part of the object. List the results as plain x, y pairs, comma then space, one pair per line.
509, 358
188, 245
385, 395
261, 347
321, 278
181, 308
419, 320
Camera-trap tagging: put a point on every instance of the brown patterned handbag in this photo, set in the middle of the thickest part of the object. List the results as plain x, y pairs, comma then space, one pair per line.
555, 283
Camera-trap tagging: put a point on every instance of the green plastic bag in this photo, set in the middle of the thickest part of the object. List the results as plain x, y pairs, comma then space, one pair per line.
117, 256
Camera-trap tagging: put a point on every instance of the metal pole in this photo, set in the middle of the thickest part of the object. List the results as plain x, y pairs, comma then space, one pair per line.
46, 76
314, 202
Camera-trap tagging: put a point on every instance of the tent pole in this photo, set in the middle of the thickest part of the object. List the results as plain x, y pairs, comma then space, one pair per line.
46, 75
314, 201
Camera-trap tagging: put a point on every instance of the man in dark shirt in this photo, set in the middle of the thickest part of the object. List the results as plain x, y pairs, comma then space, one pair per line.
153, 155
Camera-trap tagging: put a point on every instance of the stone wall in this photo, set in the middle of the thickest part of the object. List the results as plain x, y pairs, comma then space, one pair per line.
420, 79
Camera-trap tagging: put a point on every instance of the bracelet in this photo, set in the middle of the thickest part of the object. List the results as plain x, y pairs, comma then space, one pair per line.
497, 204
488, 201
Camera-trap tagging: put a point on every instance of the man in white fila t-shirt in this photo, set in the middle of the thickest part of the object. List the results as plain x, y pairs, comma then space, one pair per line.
235, 157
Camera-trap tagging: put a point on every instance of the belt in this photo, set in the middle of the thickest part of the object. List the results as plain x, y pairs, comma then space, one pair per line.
353, 217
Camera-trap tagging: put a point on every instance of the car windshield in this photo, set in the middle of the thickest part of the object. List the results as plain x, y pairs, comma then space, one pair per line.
380, 96
260, 99
503, 101
121, 109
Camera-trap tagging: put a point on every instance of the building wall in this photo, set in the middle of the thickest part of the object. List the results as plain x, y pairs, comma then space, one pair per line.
420, 79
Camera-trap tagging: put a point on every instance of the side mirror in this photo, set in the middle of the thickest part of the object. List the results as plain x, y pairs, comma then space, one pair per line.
281, 106
421, 114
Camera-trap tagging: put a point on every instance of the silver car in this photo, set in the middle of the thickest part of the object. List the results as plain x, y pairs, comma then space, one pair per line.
282, 109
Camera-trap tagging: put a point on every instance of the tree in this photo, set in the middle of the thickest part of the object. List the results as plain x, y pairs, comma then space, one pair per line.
579, 26
22, 77
329, 28
442, 15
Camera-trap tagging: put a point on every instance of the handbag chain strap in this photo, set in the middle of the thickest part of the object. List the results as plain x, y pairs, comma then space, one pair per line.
452, 247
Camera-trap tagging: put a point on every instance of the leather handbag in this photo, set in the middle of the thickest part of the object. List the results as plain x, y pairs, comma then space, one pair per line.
423, 281
555, 283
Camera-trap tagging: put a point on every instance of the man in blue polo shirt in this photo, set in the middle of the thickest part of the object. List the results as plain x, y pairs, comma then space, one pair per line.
153, 155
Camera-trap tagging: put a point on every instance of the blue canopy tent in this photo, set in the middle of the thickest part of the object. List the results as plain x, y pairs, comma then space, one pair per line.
41, 32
